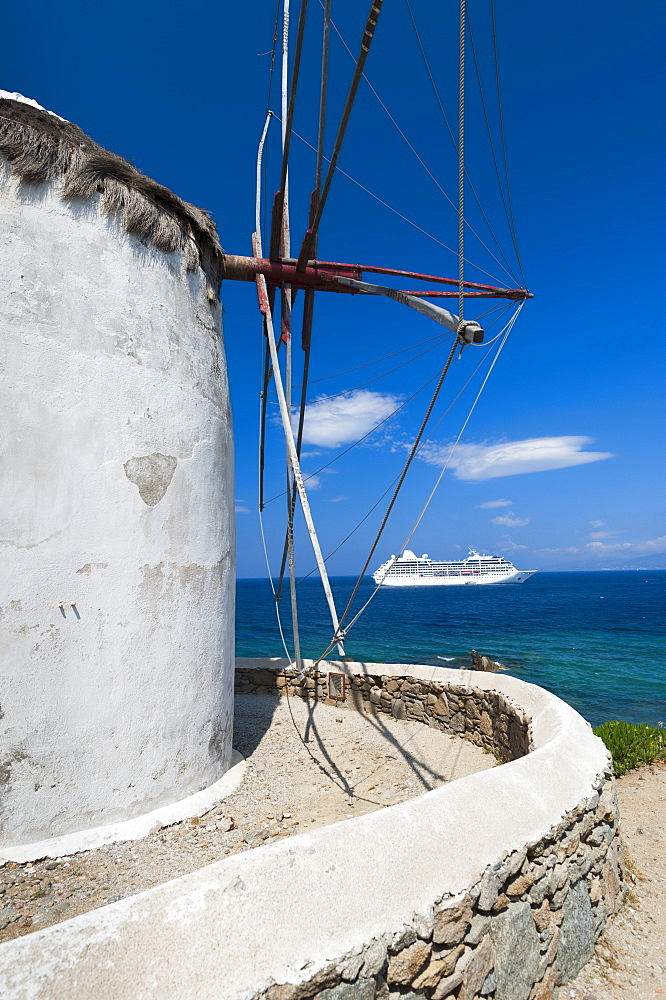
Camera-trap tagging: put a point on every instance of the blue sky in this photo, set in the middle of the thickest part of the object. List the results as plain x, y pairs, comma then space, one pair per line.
561, 465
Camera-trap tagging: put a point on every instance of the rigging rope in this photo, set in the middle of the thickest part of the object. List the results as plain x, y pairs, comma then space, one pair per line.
405, 218
428, 171
307, 248
403, 474
345, 631
461, 169
267, 373
293, 457
308, 309
508, 330
271, 69
405, 402
503, 309
508, 212
366, 42
282, 204
375, 361
392, 484
366, 435
272, 63
282, 225
501, 124
270, 580
323, 90
453, 139
262, 425
362, 385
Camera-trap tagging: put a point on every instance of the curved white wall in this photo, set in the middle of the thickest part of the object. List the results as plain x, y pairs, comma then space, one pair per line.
116, 484
291, 919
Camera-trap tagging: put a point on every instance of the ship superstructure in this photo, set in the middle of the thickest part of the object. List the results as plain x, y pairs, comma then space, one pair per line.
410, 570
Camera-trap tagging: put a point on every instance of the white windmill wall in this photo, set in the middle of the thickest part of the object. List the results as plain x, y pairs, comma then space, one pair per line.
116, 530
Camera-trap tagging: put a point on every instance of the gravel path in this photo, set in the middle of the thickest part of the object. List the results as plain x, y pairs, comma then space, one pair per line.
348, 765
630, 958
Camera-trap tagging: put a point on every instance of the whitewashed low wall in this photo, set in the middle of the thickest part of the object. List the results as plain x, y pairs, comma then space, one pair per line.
494, 885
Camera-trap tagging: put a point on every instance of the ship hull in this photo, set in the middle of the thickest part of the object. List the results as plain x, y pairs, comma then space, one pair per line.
459, 581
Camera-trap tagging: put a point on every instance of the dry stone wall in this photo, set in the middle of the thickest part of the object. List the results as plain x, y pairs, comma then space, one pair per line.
530, 923
486, 718
493, 886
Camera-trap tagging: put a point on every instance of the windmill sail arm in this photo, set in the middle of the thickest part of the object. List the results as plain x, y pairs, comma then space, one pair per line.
321, 276
469, 330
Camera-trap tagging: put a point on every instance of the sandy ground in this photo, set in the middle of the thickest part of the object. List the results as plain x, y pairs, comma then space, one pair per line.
630, 959
330, 766
303, 772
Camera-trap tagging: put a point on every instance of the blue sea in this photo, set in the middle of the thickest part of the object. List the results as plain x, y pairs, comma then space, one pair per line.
595, 639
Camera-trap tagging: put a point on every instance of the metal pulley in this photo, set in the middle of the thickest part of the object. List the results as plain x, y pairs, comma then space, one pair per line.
470, 332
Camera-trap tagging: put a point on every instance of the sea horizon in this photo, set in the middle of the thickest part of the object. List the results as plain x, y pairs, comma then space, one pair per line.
601, 569
593, 637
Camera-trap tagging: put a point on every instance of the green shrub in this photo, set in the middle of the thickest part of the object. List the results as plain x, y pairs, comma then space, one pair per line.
630, 745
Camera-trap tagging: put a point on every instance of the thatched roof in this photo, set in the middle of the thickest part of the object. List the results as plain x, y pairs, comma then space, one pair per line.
42, 147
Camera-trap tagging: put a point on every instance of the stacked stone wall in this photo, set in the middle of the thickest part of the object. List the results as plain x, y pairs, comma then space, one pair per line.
527, 927
529, 924
492, 886
487, 718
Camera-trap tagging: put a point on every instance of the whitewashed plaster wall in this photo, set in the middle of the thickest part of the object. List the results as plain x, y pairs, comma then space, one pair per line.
116, 522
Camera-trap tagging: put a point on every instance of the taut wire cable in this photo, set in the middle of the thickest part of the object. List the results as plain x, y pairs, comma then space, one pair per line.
461, 169
427, 169
343, 632
366, 41
451, 135
405, 218
403, 474
508, 330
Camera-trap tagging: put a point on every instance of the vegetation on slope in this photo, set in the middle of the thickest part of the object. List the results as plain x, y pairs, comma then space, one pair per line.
630, 745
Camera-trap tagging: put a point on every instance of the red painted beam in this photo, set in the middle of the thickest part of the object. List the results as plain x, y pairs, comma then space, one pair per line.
321, 275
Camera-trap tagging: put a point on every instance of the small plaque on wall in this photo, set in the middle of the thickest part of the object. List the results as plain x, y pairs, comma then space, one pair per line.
337, 686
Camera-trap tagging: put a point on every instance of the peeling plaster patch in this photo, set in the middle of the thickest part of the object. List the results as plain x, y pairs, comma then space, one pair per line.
193, 577
89, 567
24, 630
152, 475
6, 765
153, 576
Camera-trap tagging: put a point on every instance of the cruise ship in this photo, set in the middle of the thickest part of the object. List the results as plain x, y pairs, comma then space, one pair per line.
410, 570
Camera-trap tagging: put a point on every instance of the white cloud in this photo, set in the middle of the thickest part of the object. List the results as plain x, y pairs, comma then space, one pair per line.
651, 546
597, 524
511, 520
312, 482
330, 423
603, 534
241, 508
510, 546
338, 499
491, 504
476, 462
